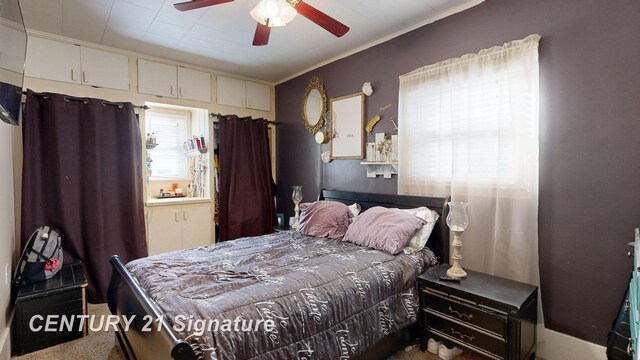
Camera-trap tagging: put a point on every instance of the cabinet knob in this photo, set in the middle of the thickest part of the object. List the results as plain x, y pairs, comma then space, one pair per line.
629, 254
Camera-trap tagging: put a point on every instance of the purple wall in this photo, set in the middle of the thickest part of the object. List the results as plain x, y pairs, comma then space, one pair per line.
589, 137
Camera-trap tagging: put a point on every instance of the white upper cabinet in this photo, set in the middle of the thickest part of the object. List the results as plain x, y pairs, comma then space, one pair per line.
104, 69
157, 79
194, 85
52, 60
12, 49
241, 93
258, 96
172, 81
230, 91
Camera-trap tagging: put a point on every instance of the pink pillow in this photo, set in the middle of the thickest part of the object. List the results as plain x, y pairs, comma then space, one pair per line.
384, 229
324, 219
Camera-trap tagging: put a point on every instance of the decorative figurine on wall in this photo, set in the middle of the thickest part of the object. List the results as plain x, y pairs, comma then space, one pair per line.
367, 89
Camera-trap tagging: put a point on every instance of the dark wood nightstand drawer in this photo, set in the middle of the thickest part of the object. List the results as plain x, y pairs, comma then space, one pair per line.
447, 307
486, 314
483, 342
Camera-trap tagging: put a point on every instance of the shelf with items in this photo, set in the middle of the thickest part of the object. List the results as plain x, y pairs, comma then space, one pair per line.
382, 156
150, 144
195, 146
384, 168
196, 152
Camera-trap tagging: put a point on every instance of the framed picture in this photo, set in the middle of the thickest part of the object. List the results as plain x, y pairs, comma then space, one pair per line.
347, 127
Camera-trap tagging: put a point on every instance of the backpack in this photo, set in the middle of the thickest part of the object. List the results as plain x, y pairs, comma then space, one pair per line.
41, 257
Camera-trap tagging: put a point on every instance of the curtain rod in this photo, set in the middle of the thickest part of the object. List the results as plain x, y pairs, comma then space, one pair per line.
104, 102
218, 115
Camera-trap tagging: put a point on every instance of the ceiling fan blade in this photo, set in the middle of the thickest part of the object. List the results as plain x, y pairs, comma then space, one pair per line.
197, 4
262, 35
325, 21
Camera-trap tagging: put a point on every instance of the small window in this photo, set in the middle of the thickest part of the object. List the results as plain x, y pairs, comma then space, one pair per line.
171, 130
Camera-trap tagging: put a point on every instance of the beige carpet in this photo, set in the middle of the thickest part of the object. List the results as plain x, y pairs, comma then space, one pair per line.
101, 345
97, 345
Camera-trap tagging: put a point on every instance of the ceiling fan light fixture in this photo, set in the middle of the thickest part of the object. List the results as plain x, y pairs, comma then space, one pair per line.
277, 12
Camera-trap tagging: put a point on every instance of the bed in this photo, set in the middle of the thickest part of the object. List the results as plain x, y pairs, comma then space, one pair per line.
328, 299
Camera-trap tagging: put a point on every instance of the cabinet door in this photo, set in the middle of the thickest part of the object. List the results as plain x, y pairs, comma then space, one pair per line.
194, 85
12, 49
104, 69
258, 96
52, 60
157, 79
164, 229
230, 91
196, 225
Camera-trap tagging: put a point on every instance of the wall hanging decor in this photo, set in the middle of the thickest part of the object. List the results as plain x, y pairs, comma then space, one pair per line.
347, 127
314, 105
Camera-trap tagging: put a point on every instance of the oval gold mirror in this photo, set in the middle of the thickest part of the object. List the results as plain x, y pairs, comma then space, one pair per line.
314, 106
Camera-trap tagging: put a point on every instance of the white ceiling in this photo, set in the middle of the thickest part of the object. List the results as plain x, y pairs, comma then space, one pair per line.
219, 37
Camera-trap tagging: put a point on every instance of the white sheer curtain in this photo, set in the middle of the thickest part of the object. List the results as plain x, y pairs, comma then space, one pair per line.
469, 129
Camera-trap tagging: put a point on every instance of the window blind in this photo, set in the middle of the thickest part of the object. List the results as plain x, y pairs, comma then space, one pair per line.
170, 130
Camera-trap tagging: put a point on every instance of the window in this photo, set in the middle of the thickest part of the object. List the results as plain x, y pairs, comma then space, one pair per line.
171, 130
471, 120
468, 129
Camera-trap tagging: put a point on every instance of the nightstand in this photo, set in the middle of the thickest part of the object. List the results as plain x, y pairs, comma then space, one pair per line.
279, 228
62, 296
489, 315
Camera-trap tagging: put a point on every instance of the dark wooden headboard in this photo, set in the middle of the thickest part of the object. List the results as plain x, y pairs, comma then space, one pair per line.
439, 239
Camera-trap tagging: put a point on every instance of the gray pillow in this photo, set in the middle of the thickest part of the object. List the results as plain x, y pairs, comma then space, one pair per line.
384, 229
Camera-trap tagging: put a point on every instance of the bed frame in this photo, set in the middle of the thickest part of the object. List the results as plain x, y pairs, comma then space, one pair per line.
127, 298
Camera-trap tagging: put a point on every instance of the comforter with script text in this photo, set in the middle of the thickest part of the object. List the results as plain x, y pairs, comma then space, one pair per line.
327, 299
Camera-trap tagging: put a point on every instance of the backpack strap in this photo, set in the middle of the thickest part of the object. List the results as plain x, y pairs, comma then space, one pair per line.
17, 278
46, 235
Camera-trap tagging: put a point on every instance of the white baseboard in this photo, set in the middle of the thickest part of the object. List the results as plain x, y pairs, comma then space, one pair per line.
5, 344
552, 345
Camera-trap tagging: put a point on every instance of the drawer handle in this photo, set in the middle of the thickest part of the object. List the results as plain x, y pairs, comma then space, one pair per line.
459, 314
629, 349
627, 306
462, 336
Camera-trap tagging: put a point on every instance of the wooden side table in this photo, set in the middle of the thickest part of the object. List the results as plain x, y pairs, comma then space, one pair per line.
489, 315
61, 296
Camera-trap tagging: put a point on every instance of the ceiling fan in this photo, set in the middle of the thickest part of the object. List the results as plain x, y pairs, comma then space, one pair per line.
276, 13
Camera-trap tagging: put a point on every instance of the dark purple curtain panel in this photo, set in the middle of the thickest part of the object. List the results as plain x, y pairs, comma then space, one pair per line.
247, 206
83, 175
